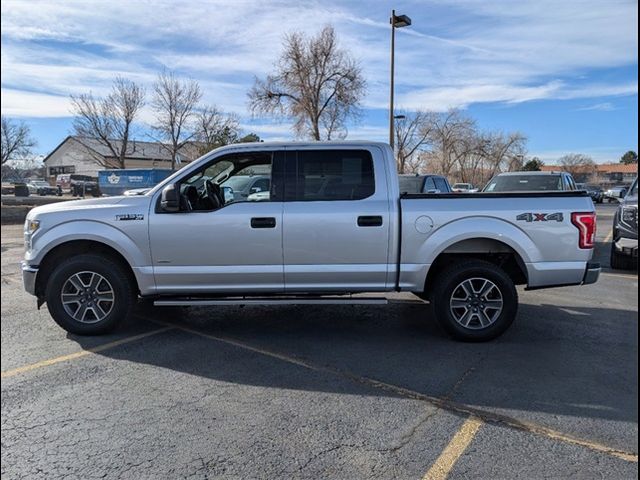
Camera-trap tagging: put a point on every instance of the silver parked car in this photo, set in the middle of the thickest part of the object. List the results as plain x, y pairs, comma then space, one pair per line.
531, 182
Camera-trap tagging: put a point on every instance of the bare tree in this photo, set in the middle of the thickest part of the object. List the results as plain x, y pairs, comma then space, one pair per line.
452, 137
215, 129
580, 166
109, 120
16, 141
316, 84
505, 152
175, 102
413, 132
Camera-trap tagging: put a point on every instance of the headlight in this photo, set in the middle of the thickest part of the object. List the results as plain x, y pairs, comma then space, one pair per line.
629, 214
31, 226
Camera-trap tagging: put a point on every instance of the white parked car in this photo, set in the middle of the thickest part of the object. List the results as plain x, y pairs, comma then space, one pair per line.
615, 193
464, 188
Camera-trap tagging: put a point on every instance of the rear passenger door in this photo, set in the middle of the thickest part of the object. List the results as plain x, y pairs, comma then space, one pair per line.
335, 221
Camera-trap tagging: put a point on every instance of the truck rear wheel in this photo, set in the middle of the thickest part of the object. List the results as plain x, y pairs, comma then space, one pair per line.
474, 301
89, 294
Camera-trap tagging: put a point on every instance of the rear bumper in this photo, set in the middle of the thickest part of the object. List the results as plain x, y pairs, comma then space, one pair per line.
561, 274
29, 275
591, 273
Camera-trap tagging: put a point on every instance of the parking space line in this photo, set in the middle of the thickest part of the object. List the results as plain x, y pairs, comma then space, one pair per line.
620, 275
464, 436
439, 402
608, 238
82, 353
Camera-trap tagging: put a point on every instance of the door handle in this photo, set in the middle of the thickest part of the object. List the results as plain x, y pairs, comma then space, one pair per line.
370, 221
263, 222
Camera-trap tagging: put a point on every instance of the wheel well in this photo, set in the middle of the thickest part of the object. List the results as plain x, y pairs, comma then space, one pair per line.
490, 250
77, 247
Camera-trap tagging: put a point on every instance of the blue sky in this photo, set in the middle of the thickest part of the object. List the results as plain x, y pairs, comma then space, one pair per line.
564, 73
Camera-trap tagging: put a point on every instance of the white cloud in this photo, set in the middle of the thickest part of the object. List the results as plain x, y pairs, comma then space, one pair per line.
18, 103
601, 107
488, 51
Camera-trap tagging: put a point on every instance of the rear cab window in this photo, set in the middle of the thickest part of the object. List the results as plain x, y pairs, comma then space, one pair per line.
329, 175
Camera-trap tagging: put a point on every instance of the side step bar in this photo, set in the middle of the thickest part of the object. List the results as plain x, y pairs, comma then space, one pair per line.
175, 302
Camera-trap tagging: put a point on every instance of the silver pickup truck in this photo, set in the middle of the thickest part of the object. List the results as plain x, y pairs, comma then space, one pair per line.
333, 224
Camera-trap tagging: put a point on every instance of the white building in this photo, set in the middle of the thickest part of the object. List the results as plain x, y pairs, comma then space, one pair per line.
87, 156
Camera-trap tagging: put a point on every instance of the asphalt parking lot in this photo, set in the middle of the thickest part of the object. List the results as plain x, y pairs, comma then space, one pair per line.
338, 392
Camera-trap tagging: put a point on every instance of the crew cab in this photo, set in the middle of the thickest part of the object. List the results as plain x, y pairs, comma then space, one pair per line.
333, 225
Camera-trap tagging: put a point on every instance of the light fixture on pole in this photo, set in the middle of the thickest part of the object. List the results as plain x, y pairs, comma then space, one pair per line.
397, 21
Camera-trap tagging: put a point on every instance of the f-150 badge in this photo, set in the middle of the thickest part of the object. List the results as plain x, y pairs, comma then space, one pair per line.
540, 217
130, 216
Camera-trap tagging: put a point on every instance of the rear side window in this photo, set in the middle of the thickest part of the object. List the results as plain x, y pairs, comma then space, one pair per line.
429, 184
322, 175
570, 183
441, 184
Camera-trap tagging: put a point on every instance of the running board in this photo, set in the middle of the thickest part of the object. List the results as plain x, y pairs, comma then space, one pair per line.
272, 301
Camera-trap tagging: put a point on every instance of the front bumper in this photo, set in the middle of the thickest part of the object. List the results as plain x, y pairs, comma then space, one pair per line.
627, 246
591, 273
29, 275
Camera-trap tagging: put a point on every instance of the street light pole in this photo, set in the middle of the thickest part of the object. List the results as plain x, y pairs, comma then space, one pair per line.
393, 47
397, 21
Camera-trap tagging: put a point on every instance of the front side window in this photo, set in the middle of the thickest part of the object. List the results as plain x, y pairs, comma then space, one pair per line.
227, 180
326, 175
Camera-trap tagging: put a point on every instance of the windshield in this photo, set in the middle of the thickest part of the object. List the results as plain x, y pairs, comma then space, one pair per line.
634, 188
523, 183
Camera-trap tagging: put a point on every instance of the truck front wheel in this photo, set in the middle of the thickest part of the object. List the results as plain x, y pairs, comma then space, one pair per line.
89, 294
474, 301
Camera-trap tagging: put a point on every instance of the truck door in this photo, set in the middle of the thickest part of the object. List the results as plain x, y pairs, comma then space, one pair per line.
225, 246
336, 221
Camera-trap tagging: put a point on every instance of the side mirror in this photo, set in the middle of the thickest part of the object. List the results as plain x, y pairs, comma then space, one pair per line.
170, 199
228, 194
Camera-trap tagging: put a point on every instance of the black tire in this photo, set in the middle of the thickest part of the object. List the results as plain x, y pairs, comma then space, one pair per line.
449, 283
621, 262
123, 294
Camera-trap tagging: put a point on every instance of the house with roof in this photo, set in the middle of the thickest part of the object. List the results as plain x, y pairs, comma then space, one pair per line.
87, 156
604, 174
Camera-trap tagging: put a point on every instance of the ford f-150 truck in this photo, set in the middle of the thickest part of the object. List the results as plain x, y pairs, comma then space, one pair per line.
333, 224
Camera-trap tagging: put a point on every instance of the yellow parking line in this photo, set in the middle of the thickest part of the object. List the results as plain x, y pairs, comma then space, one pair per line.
620, 275
450, 455
608, 237
82, 353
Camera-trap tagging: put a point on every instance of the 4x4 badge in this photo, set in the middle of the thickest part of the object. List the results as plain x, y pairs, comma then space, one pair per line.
540, 217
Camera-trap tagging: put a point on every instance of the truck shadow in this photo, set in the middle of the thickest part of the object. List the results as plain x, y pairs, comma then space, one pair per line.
564, 361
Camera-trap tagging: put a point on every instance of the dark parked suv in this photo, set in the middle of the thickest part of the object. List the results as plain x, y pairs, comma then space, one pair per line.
624, 248
416, 183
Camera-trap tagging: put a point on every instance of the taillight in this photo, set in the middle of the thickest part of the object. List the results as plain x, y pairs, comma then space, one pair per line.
586, 223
